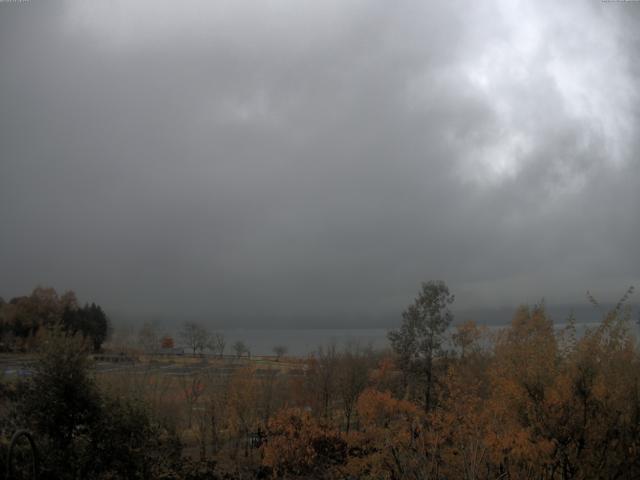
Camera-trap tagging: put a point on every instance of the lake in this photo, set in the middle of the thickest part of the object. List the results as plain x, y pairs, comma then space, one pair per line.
302, 342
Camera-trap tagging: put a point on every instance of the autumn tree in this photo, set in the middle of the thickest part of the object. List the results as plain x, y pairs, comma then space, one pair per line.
192, 388
419, 339
385, 376
593, 407
466, 337
22, 317
563, 409
322, 377
274, 391
352, 378
43, 306
242, 407
522, 376
297, 446
167, 342
455, 436
216, 406
390, 443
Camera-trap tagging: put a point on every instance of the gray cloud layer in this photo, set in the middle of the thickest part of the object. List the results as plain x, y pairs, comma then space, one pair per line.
307, 160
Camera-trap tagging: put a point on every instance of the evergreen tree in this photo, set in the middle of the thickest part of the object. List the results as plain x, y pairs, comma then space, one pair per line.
419, 339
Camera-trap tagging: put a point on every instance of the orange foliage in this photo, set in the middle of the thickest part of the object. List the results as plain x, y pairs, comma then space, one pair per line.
391, 437
298, 445
167, 342
535, 404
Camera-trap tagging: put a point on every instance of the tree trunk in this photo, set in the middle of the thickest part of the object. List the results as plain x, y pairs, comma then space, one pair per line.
427, 393
214, 432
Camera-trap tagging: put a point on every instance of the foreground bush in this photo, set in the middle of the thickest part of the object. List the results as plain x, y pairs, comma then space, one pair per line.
81, 432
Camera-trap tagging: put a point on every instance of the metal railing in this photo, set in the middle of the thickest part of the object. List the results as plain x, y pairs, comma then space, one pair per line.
19, 434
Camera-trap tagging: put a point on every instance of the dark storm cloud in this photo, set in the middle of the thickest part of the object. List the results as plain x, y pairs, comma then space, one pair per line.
316, 160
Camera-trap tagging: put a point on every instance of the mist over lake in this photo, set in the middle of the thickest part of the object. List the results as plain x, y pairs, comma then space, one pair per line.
304, 342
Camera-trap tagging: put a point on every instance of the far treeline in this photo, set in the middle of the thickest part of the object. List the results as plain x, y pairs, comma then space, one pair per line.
23, 318
446, 401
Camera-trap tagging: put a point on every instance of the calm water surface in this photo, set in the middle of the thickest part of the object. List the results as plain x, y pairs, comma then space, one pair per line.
302, 342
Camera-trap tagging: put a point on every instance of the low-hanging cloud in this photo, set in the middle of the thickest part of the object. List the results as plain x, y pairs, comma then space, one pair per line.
243, 162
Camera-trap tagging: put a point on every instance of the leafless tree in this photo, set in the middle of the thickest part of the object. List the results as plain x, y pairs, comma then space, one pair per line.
192, 387
240, 348
217, 393
280, 351
353, 375
217, 343
195, 336
269, 399
149, 337
323, 376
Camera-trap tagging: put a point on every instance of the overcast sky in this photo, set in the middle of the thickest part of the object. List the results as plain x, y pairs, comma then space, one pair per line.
259, 162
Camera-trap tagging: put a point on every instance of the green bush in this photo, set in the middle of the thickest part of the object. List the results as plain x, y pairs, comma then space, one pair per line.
81, 432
